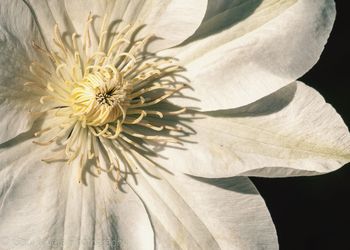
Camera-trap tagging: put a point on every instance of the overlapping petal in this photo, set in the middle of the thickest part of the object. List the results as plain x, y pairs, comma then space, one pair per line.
255, 56
16, 35
190, 213
171, 21
289, 133
43, 206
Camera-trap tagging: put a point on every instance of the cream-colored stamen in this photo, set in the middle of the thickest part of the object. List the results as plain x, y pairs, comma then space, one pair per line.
111, 99
101, 97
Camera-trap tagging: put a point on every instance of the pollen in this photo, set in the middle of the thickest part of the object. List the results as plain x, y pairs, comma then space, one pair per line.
107, 98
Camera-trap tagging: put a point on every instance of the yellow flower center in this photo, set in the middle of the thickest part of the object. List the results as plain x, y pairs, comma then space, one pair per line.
107, 99
101, 97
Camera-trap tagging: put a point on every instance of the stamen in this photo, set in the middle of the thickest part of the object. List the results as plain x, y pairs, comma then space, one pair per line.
109, 98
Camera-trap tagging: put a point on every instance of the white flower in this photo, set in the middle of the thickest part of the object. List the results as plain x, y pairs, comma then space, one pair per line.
117, 161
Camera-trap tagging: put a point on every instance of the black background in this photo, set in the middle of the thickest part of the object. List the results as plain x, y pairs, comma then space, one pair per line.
314, 212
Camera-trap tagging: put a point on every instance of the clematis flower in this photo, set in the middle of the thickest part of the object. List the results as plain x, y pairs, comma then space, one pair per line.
134, 124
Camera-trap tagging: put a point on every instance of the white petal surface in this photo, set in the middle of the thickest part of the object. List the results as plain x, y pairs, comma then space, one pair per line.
222, 14
192, 213
289, 133
48, 13
173, 21
16, 35
271, 48
43, 206
215, 7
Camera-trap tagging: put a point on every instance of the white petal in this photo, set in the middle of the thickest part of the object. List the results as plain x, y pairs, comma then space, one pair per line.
291, 132
16, 35
22, 31
222, 14
188, 213
173, 21
46, 15
271, 48
216, 7
43, 206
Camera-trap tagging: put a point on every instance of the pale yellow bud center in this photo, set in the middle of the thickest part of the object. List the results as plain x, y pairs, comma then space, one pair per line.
101, 97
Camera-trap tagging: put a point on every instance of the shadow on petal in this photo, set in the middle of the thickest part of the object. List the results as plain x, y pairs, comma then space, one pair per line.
24, 136
265, 106
230, 183
221, 16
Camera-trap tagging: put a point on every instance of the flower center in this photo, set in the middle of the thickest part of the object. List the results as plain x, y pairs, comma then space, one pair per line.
101, 97
106, 100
